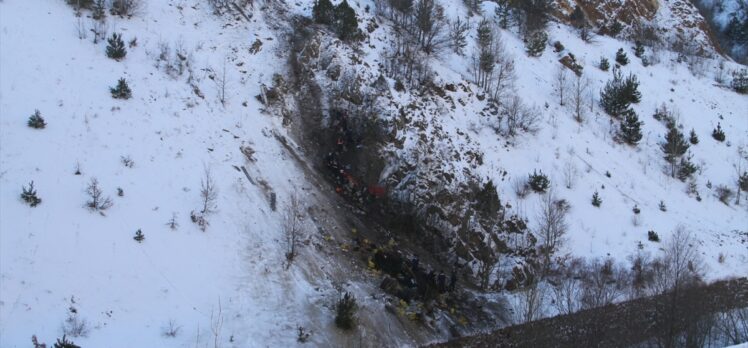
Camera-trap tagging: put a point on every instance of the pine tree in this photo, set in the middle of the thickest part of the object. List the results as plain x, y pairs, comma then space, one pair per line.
578, 18
596, 200
621, 57
36, 120
323, 12
116, 47
718, 134
673, 148
612, 96
740, 80
345, 316
535, 43
630, 130
487, 199
122, 91
502, 12
638, 49
693, 138
615, 28
65, 343
631, 89
139, 237
686, 168
604, 64
28, 195
345, 23
98, 11
743, 182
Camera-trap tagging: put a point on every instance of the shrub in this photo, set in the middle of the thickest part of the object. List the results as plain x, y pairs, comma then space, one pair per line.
122, 91
345, 312
558, 46
718, 134
36, 121
615, 28
139, 237
638, 49
723, 193
652, 236
621, 57
636, 210
97, 201
663, 207
743, 182
28, 195
596, 200
538, 182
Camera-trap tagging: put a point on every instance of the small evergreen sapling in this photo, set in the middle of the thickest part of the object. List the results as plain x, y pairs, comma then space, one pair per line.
538, 182
139, 237
604, 65
638, 49
345, 312
693, 138
122, 91
596, 200
686, 168
116, 47
718, 134
652, 236
636, 210
743, 182
28, 195
36, 120
663, 207
621, 57
615, 28
65, 343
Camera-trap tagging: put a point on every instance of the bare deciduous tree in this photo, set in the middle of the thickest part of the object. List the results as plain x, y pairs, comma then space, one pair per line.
579, 88
208, 193
551, 224
292, 226
570, 174
530, 303
560, 83
221, 82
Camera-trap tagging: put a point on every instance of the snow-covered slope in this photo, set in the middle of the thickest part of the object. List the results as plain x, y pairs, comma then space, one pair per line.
59, 255
231, 281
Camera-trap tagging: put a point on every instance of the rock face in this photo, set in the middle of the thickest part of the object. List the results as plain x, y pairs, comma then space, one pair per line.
672, 17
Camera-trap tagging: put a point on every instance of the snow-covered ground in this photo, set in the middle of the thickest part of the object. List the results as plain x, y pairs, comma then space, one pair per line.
231, 279
59, 255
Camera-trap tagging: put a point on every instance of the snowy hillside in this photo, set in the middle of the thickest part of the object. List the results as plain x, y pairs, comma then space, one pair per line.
197, 115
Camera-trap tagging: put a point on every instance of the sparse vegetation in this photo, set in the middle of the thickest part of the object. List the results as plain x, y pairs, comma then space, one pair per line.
538, 182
